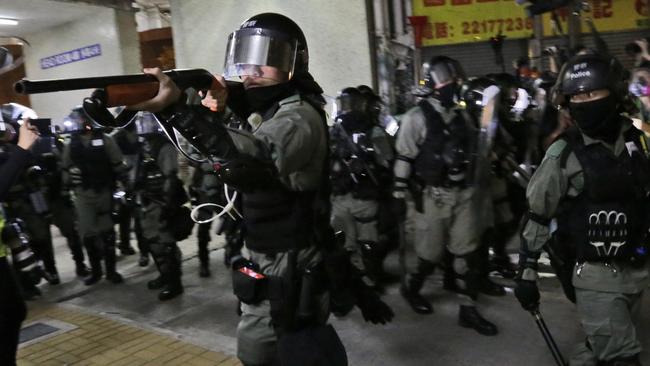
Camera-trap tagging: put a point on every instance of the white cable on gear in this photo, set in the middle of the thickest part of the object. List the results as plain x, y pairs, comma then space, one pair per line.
230, 206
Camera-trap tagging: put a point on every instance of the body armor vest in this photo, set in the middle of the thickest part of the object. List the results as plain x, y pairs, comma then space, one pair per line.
353, 168
608, 219
150, 176
277, 219
93, 161
445, 154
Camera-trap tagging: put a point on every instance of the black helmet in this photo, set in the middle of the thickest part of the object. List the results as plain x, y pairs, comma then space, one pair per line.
373, 101
439, 70
77, 121
266, 39
589, 72
350, 101
472, 95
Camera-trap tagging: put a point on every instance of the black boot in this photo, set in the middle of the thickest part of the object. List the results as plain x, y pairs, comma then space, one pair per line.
110, 258
486, 286
126, 249
156, 284
410, 289
95, 259
469, 317
204, 259
81, 270
172, 274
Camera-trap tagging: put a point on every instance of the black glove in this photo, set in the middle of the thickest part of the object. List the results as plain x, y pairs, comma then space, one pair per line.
372, 308
528, 294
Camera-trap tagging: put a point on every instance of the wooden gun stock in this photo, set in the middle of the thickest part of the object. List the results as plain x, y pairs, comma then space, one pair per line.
118, 90
121, 89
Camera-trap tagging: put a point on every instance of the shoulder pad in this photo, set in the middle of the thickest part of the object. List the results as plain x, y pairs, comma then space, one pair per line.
290, 100
556, 149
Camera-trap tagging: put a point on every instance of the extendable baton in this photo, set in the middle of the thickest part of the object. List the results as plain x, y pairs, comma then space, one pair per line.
550, 342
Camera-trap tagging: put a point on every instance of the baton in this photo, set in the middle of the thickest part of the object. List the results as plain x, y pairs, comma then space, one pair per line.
550, 342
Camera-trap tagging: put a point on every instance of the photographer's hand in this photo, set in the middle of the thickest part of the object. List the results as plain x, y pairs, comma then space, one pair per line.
28, 135
168, 93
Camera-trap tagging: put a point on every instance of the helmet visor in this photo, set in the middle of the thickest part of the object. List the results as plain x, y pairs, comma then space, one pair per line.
444, 72
348, 103
250, 49
146, 124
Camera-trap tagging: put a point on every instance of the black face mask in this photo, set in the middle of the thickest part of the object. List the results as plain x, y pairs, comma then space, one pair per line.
598, 119
262, 98
446, 95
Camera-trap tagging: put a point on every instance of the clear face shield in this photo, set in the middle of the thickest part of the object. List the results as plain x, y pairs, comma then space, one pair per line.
349, 103
260, 53
146, 124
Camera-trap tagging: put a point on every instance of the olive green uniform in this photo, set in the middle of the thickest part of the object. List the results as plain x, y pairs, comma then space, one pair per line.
295, 137
357, 217
607, 296
450, 216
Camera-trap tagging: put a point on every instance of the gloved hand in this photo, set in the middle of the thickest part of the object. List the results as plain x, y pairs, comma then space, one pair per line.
528, 294
372, 308
398, 204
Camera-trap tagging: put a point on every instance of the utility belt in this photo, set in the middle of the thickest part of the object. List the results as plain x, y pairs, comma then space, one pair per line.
293, 297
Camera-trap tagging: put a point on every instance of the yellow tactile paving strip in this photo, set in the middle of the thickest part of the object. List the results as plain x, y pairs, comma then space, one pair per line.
102, 341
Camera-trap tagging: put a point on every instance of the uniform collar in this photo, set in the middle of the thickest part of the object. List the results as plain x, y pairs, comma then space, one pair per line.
447, 113
619, 145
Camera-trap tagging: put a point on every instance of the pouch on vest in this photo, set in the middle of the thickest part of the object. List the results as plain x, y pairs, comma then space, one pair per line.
248, 285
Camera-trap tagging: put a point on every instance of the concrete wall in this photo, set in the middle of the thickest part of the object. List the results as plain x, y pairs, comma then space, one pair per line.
336, 33
114, 30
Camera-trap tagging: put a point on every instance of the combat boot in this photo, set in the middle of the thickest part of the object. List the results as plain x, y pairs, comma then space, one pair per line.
171, 290
110, 259
469, 317
95, 259
81, 270
410, 288
172, 274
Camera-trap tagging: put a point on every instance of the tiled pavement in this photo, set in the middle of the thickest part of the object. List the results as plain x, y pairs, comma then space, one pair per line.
98, 340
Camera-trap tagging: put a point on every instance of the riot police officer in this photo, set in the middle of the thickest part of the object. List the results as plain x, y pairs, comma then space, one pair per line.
159, 189
594, 182
281, 170
361, 154
127, 139
92, 164
435, 149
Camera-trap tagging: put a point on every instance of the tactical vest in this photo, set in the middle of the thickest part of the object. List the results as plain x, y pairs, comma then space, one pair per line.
93, 161
446, 153
277, 219
608, 219
150, 176
353, 168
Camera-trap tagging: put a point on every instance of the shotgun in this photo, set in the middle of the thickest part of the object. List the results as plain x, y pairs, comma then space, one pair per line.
119, 90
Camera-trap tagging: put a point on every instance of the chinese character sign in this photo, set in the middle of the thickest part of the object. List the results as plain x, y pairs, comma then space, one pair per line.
610, 15
71, 56
460, 21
